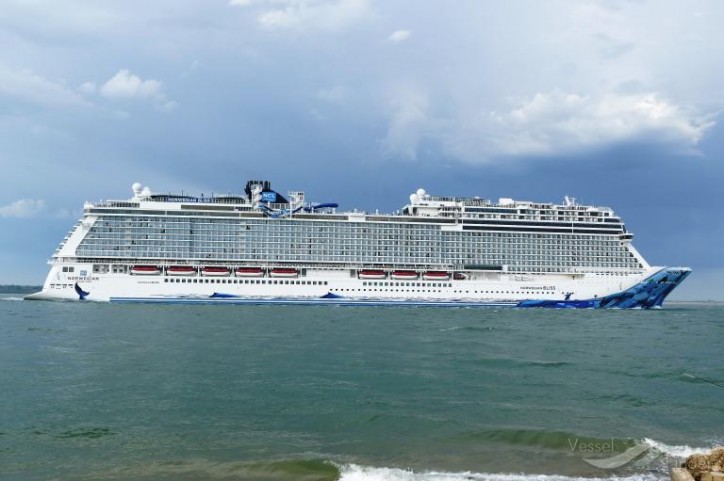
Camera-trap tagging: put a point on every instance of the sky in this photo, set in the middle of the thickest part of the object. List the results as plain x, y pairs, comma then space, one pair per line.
361, 102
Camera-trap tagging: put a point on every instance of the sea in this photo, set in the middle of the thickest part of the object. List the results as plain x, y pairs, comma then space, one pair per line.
95, 391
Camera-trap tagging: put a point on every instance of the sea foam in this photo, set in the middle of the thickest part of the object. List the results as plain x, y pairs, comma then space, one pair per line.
674, 451
353, 472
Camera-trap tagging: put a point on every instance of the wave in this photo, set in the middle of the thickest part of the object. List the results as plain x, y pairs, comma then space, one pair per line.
674, 451
467, 328
280, 470
354, 472
321, 469
559, 440
514, 363
11, 298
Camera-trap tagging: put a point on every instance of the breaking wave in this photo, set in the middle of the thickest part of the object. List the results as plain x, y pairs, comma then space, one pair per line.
674, 451
353, 472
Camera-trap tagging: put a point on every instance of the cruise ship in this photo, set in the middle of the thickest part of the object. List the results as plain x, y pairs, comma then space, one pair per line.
262, 247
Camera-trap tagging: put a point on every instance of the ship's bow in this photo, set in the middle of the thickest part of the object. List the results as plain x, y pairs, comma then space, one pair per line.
651, 292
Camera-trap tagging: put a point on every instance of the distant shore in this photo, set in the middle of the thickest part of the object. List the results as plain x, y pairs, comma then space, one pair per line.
17, 289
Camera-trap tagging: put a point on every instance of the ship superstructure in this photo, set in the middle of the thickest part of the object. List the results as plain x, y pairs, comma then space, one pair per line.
263, 247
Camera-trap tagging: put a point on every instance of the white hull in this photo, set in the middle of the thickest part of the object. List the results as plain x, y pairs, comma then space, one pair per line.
478, 288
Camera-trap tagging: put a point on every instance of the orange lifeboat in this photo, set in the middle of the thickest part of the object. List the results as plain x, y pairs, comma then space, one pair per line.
372, 274
249, 272
436, 276
145, 270
283, 272
215, 271
404, 275
181, 271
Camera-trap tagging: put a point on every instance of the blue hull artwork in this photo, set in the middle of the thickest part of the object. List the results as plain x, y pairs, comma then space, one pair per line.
646, 295
81, 293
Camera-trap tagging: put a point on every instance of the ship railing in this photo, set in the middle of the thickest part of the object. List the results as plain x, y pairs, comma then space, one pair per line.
263, 264
228, 199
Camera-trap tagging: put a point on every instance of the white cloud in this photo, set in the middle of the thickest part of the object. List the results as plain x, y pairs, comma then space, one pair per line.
167, 105
88, 88
28, 86
128, 85
546, 124
559, 122
334, 95
399, 36
409, 124
125, 85
23, 208
120, 115
193, 68
328, 15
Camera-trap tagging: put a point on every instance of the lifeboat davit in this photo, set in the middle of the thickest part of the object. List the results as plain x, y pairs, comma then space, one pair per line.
372, 274
181, 271
249, 272
283, 272
145, 270
436, 276
214, 271
404, 275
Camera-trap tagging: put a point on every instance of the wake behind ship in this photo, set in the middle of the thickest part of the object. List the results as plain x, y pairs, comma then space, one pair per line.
264, 248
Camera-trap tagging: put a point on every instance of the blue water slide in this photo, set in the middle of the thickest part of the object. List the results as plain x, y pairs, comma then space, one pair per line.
326, 205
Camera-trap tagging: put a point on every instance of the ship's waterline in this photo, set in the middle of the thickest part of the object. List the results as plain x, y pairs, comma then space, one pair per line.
263, 247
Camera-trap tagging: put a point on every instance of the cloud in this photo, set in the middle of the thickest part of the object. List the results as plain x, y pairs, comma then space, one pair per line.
88, 88
399, 36
23, 208
125, 85
551, 123
409, 124
558, 122
326, 15
27, 86
334, 95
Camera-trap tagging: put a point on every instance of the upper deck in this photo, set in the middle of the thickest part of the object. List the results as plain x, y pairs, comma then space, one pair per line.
264, 227
422, 207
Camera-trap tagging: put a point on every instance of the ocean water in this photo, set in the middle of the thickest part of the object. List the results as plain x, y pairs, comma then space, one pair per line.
151, 392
